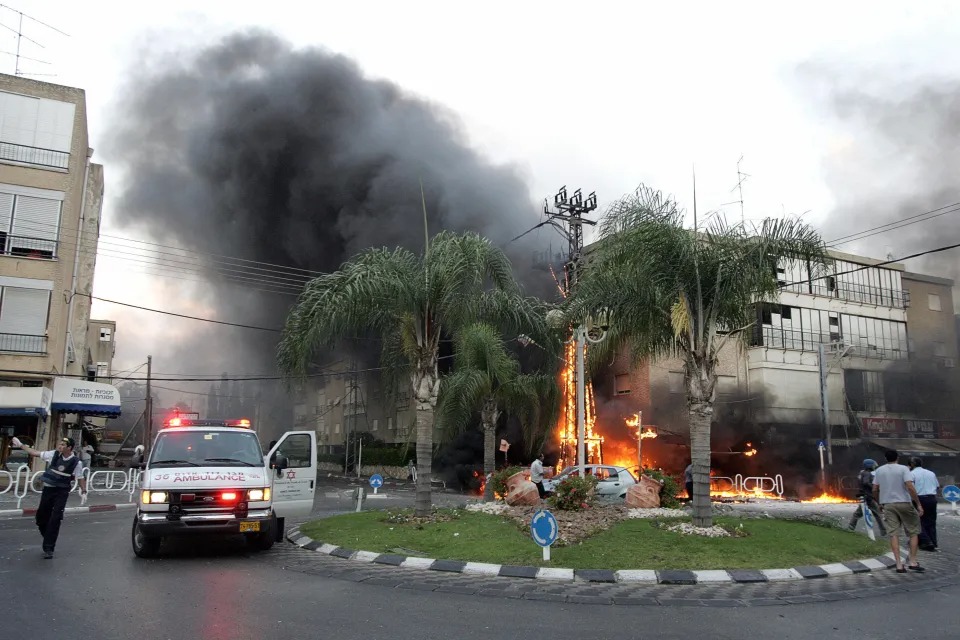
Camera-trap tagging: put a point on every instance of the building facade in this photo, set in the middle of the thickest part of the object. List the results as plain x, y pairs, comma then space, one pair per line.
50, 205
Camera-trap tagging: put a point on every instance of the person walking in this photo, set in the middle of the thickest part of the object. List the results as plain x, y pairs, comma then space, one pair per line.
926, 484
536, 475
865, 492
62, 468
893, 489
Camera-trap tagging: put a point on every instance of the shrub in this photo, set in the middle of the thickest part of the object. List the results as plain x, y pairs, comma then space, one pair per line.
499, 479
573, 493
668, 488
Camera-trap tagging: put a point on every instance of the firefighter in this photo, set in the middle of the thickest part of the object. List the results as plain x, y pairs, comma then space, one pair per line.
865, 491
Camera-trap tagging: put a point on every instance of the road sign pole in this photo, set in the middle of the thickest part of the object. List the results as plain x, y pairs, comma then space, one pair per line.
546, 553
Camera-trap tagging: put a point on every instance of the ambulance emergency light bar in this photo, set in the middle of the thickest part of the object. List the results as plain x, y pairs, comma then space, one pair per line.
190, 422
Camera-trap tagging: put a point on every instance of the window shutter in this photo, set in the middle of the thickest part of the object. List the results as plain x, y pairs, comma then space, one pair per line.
19, 122
54, 125
23, 312
36, 225
6, 213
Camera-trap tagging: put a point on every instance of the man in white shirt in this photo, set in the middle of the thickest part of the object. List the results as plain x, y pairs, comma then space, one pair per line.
536, 475
62, 468
926, 484
893, 489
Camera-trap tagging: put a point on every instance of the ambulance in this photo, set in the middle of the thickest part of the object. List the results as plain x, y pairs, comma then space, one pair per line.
211, 477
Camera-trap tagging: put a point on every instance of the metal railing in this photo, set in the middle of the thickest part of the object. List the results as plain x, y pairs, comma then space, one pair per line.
778, 338
22, 343
865, 294
23, 481
34, 155
28, 247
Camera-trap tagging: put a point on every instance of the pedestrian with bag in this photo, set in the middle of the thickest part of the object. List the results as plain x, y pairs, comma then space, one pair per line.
63, 466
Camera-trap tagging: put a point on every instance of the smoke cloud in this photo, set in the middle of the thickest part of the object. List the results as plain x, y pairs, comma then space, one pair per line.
253, 149
892, 154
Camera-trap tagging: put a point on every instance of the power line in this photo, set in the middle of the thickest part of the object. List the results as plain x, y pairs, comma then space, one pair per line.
897, 224
180, 315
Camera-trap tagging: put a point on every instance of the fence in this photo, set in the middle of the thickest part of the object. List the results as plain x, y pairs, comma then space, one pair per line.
749, 486
23, 481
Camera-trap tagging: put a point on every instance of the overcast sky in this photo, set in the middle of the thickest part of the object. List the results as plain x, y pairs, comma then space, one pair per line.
603, 97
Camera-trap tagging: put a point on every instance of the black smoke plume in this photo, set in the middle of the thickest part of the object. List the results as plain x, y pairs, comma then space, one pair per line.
252, 149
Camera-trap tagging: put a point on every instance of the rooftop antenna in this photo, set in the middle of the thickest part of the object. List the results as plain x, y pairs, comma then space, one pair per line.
741, 178
21, 37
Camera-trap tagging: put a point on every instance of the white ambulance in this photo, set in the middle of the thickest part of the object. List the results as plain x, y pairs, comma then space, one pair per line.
210, 477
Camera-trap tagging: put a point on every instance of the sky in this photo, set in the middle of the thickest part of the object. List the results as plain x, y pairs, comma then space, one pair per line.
603, 98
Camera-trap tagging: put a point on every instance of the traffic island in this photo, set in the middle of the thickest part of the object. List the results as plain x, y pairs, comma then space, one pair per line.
646, 550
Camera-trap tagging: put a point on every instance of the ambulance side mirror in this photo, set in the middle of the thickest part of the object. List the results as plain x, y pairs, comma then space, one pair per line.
279, 463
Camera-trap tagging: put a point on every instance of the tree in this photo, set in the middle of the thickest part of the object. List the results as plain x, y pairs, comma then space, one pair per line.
487, 377
675, 292
411, 301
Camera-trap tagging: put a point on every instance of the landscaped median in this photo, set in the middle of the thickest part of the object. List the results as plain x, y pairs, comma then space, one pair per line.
612, 540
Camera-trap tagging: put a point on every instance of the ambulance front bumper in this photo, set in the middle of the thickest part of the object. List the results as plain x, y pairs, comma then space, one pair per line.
167, 524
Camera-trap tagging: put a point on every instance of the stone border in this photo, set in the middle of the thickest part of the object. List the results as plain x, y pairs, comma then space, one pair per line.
627, 576
14, 513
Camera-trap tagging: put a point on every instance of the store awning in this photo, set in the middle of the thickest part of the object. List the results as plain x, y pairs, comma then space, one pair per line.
919, 446
89, 398
24, 401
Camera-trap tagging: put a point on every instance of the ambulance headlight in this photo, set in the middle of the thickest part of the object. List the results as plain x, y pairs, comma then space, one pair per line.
258, 495
153, 497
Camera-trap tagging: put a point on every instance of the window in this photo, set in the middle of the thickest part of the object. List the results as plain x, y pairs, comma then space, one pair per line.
933, 302
35, 131
105, 334
389, 424
940, 349
29, 221
376, 424
336, 428
103, 369
23, 315
621, 384
676, 381
296, 449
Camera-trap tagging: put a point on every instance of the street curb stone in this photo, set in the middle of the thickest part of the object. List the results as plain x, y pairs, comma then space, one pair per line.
662, 576
97, 508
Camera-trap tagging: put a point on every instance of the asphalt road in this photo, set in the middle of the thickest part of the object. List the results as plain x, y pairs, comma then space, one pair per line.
96, 588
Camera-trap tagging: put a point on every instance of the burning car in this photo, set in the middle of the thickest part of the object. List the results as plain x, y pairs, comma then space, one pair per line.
612, 481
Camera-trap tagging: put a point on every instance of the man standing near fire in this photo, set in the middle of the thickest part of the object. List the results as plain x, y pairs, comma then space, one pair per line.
865, 492
63, 466
536, 475
893, 489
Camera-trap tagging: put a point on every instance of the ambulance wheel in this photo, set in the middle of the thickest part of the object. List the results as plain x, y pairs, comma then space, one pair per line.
144, 546
263, 540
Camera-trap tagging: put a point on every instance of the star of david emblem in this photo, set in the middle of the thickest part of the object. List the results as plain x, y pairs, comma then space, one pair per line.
291, 475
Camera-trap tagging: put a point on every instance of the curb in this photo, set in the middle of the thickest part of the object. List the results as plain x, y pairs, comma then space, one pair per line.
629, 576
97, 508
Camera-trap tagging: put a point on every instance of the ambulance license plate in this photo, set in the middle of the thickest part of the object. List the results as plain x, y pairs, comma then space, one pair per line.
250, 526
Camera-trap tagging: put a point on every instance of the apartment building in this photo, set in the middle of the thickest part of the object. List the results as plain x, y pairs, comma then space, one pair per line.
50, 204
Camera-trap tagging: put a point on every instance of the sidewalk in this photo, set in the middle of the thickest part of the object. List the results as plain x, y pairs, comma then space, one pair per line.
96, 502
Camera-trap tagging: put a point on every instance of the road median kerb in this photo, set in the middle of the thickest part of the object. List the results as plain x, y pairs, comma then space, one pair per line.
96, 508
626, 576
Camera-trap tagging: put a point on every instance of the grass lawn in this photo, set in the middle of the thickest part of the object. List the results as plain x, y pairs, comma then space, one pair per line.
631, 544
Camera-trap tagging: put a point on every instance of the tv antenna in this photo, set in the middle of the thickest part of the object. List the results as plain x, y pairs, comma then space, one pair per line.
21, 36
741, 178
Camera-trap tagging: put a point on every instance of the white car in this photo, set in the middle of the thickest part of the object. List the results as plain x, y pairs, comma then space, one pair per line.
612, 482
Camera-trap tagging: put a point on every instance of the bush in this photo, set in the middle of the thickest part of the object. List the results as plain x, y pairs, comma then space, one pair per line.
387, 456
573, 493
499, 479
668, 488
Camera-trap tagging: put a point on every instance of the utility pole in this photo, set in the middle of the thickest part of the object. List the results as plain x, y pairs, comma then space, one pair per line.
824, 408
148, 417
570, 211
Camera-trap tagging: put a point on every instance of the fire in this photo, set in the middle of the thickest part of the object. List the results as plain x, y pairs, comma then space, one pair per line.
827, 498
751, 451
568, 419
483, 481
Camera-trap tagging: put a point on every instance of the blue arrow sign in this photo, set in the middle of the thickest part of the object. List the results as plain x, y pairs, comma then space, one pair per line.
820, 444
544, 528
951, 493
376, 481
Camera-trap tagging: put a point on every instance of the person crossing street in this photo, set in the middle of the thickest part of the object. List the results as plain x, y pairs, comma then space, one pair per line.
63, 466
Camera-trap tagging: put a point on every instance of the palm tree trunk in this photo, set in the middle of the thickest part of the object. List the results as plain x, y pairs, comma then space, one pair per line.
424, 500
489, 458
701, 415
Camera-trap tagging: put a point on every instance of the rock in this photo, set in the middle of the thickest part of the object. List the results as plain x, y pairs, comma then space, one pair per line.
521, 491
644, 495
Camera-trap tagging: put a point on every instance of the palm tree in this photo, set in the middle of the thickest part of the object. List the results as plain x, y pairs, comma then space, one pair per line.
487, 377
411, 301
674, 292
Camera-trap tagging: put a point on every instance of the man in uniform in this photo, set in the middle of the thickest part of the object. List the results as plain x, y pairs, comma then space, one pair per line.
62, 467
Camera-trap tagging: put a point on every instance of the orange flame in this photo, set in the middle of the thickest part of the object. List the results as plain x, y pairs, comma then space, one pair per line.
828, 498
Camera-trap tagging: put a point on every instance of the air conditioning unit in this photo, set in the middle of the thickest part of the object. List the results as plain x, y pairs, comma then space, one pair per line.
948, 363
71, 350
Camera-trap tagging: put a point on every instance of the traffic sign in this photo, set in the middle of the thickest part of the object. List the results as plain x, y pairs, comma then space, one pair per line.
820, 444
544, 528
867, 514
951, 493
376, 481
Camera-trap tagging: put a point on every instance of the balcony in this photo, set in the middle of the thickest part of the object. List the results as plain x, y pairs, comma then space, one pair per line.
863, 294
21, 343
47, 158
777, 338
27, 247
